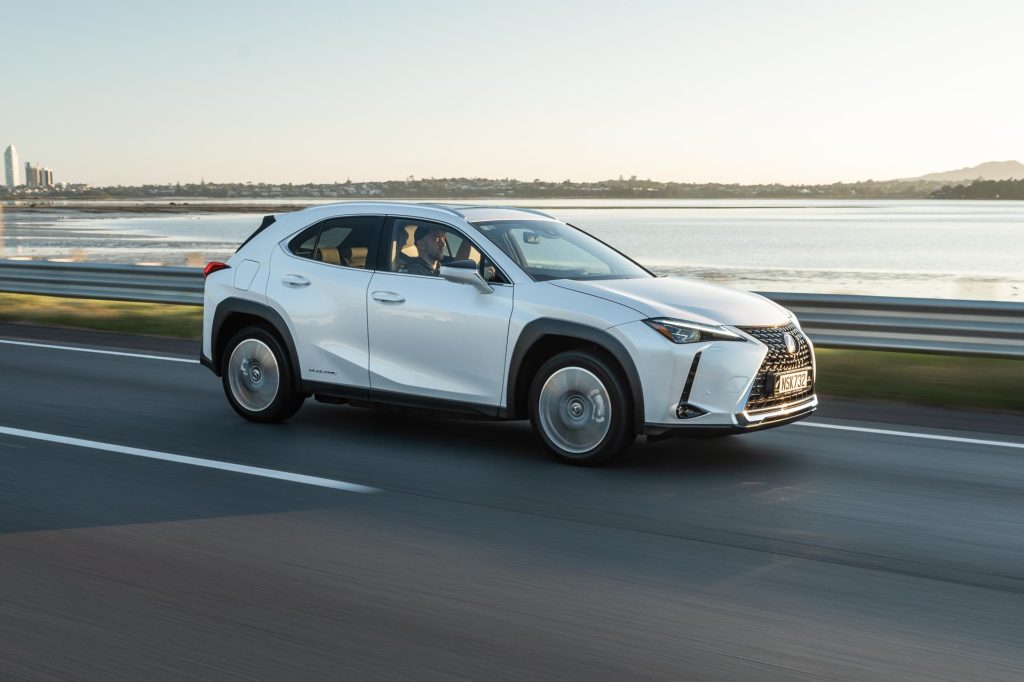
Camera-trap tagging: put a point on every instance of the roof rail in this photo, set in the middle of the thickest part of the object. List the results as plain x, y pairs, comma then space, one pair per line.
537, 212
454, 209
445, 207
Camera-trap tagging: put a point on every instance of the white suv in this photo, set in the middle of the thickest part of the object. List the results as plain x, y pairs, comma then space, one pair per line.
502, 312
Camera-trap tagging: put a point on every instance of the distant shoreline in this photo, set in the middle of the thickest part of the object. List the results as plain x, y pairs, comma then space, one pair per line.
474, 189
194, 205
171, 209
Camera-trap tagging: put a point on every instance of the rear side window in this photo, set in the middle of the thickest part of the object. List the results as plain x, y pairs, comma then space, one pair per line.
303, 245
350, 242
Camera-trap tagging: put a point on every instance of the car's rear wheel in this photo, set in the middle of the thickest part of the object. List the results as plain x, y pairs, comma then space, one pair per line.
258, 378
579, 406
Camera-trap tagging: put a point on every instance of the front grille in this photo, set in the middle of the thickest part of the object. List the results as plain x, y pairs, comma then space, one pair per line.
779, 361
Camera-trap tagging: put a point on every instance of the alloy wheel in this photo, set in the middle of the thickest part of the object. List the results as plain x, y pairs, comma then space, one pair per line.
574, 410
254, 375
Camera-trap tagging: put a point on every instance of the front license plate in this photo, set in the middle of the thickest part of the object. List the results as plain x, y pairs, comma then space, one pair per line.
792, 382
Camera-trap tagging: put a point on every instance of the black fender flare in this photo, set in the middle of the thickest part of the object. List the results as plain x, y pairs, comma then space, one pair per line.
230, 306
536, 330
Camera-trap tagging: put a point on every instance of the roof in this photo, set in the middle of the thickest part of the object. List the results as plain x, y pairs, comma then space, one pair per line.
476, 214
468, 212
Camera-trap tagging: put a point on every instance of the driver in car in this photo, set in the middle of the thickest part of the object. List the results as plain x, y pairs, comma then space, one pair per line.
430, 244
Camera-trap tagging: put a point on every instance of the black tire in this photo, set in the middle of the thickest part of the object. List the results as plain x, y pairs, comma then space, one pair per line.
252, 398
569, 415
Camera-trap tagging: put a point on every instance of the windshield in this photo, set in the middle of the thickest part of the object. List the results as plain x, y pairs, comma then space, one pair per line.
547, 249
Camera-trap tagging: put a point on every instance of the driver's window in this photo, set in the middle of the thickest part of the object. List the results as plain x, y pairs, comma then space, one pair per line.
418, 247
421, 247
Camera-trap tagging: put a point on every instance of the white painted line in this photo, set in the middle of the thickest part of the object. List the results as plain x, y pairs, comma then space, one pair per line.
912, 434
194, 461
101, 352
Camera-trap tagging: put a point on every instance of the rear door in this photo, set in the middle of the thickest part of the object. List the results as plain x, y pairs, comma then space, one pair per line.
319, 279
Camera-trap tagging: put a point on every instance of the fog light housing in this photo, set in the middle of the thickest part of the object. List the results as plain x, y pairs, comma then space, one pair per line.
688, 411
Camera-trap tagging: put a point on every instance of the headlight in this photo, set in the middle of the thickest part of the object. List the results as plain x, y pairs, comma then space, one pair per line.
792, 317
680, 331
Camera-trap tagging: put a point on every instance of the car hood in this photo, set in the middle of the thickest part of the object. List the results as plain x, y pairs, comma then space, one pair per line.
684, 299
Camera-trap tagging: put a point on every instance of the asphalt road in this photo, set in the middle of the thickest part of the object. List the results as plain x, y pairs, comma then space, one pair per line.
798, 553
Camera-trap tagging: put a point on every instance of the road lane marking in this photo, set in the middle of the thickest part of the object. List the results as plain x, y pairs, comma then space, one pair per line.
102, 446
194, 461
101, 352
912, 434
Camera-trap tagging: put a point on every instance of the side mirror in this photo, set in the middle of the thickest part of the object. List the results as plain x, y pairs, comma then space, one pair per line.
465, 272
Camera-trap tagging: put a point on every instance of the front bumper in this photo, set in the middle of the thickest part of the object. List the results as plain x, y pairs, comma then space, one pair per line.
776, 416
717, 386
743, 422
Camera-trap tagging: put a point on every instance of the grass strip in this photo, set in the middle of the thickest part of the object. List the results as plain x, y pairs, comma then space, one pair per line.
923, 379
159, 319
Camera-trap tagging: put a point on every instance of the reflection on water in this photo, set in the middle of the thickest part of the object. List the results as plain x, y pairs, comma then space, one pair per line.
970, 250
919, 285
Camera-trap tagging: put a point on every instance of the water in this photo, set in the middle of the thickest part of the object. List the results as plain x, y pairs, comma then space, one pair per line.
971, 250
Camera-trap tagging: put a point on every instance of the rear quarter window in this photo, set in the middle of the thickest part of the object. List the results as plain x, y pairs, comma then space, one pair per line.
303, 244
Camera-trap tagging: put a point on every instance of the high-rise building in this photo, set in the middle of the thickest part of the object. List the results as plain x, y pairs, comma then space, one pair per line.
11, 166
37, 177
31, 175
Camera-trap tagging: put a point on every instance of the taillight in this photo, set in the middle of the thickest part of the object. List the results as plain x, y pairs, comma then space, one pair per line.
214, 267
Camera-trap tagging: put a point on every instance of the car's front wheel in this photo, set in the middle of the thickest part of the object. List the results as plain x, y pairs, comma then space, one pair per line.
257, 377
580, 408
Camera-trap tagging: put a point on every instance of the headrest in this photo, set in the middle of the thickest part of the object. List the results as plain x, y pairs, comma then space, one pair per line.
327, 254
354, 256
410, 230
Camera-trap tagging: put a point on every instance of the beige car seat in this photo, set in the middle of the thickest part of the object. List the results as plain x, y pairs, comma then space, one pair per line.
326, 254
354, 256
409, 247
404, 245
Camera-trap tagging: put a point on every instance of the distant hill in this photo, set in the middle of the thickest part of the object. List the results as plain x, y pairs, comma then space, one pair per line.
983, 189
990, 170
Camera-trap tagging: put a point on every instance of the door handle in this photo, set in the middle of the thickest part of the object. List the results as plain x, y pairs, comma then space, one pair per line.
387, 297
295, 281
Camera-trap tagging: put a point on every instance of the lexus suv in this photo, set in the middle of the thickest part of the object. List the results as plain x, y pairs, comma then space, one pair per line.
502, 312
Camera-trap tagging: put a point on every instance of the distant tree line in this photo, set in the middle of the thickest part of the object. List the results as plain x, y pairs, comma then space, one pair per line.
983, 189
476, 188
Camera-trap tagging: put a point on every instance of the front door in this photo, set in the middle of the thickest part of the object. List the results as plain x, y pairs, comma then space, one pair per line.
430, 337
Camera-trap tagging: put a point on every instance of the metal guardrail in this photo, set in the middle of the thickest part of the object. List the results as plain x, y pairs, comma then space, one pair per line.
145, 283
951, 327
992, 328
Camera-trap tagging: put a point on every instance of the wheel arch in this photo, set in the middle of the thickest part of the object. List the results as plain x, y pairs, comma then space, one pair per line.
544, 338
233, 314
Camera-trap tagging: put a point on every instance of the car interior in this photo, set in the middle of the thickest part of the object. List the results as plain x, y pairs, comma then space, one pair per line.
354, 247
343, 246
349, 256
457, 248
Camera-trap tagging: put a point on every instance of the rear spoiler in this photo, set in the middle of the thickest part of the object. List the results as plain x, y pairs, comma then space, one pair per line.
268, 220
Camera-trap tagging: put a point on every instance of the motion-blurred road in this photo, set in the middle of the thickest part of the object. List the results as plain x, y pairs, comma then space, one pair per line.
797, 553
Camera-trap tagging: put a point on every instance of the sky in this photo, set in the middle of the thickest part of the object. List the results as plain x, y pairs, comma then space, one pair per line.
692, 91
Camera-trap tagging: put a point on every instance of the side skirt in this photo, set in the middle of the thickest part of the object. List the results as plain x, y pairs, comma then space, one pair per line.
364, 397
